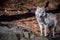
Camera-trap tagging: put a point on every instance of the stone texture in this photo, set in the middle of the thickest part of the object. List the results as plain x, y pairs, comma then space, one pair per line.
6, 34
14, 32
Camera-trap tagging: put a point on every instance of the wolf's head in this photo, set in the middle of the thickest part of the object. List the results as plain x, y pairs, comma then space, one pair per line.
40, 11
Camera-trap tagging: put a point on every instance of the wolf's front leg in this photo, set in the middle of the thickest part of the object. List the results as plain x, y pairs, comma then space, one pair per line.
45, 30
53, 31
41, 32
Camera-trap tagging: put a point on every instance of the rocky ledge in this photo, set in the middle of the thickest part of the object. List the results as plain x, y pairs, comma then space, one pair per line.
13, 32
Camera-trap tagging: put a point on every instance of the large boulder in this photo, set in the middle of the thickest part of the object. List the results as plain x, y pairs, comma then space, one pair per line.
6, 34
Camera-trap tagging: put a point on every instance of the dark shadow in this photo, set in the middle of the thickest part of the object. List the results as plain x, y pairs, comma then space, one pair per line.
16, 17
55, 10
3, 4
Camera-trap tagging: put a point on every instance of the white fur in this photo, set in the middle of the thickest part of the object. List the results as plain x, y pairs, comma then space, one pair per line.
48, 20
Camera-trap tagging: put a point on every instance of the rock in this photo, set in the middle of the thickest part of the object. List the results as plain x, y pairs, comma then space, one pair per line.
13, 32
6, 34
41, 38
32, 37
26, 34
23, 39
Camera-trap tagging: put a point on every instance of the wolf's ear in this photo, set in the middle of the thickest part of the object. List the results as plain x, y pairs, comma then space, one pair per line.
42, 7
38, 7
